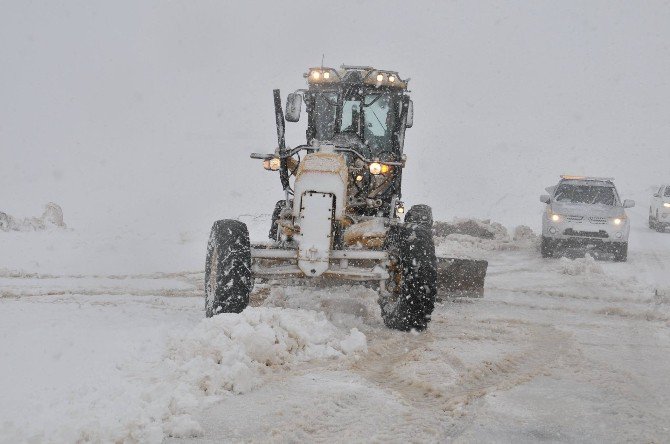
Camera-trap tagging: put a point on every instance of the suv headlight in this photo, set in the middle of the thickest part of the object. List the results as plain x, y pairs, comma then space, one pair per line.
619, 220
554, 217
666, 204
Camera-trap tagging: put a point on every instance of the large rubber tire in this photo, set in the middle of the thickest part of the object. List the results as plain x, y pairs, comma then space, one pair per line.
547, 247
620, 251
228, 280
421, 215
652, 224
411, 300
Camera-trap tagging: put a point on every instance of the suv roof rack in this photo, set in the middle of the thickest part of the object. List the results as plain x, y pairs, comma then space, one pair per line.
571, 177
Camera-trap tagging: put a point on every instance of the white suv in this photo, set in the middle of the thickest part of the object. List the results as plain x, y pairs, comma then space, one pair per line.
585, 212
659, 210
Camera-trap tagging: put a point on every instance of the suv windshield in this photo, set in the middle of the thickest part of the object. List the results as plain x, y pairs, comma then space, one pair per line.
586, 194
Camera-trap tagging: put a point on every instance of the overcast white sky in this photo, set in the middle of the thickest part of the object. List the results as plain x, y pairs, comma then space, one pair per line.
140, 114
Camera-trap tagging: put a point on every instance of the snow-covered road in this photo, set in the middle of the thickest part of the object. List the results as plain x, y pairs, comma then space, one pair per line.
558, 350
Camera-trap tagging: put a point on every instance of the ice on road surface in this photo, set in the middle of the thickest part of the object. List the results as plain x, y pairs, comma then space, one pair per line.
570, 349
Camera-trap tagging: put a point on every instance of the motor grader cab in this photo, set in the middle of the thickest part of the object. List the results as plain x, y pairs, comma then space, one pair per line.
341, 213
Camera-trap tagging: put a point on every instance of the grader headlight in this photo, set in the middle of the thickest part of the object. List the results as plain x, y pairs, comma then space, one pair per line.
322, 75
272, 164
375, 168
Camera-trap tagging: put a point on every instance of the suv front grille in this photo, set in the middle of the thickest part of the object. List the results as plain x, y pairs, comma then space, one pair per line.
598, 220
600, 234
574, 218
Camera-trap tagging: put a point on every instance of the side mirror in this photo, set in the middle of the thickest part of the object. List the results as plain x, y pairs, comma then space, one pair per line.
409, 121
628, 203
293, 106
545, 198
657, 195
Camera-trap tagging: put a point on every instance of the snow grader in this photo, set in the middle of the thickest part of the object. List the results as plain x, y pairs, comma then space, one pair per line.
341, 216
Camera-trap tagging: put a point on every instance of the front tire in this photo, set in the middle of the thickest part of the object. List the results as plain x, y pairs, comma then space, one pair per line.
274, 225
547, 247
412, 287
660, 227
228, 279
421, 215
620, 252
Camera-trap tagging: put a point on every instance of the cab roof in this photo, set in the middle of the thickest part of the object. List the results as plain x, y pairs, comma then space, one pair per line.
366, 75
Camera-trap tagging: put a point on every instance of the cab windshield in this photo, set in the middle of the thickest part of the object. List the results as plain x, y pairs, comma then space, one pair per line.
369, 117
586, 194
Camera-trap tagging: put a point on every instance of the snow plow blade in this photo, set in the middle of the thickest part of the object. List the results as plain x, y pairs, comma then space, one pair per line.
461, 277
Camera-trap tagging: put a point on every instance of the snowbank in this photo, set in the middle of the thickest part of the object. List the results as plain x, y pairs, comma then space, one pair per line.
52, 217
580, 266
472, 238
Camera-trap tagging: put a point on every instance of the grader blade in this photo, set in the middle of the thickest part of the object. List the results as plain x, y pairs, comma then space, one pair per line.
461, 277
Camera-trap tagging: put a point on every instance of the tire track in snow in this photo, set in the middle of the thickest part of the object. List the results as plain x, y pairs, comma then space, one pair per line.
16, 284
462, 384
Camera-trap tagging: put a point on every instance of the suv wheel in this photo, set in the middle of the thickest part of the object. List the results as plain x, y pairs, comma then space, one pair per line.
547, 247
620, 251
658, 225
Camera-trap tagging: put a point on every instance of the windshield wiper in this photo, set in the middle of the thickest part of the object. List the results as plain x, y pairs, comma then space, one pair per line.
377, 117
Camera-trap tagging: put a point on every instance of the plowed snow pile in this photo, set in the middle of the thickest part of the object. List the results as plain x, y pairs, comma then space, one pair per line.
474, 238
227, 354
580, 266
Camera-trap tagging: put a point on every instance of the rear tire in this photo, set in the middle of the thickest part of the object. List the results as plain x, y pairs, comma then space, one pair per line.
413, 283
421, 215
547, 247
620, 251
228, 279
